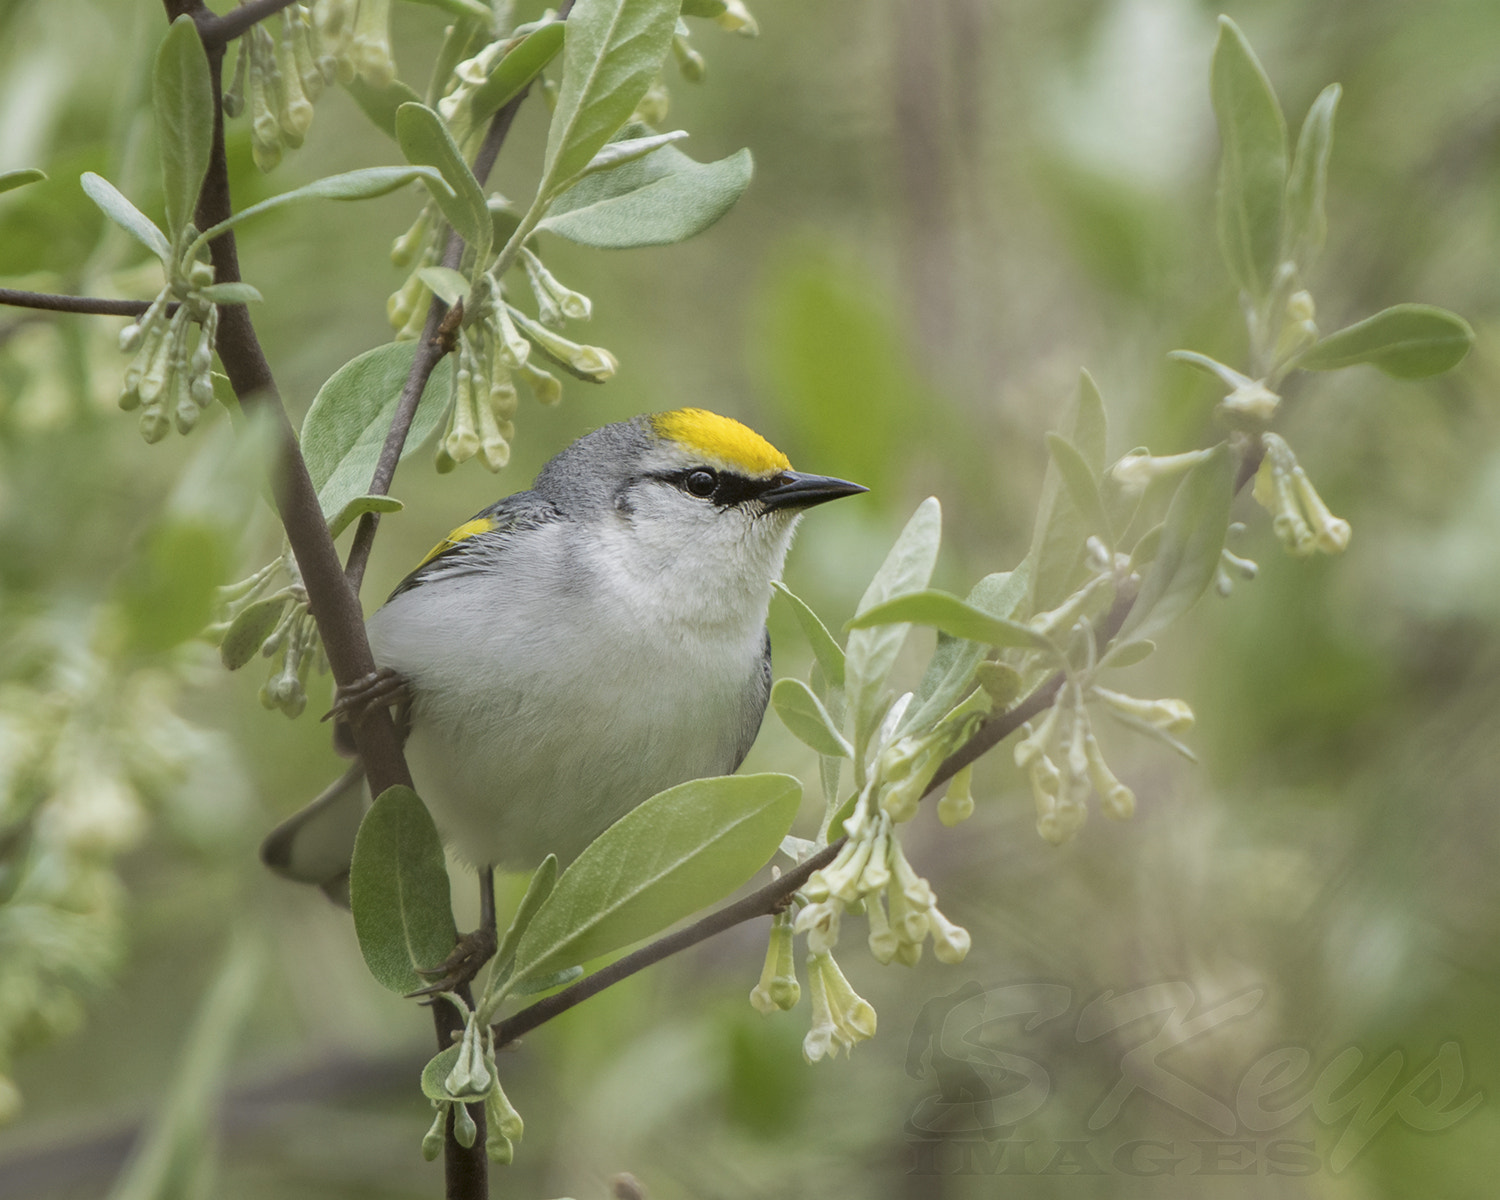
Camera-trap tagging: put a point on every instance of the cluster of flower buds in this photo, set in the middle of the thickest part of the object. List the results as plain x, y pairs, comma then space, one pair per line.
292, 640
778, 989
283, 66
1298, 515
1062, 759
474, 1080
872, 871
841, 1017
171, 376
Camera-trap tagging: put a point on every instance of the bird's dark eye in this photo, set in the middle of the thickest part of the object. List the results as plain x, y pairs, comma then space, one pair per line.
701, 483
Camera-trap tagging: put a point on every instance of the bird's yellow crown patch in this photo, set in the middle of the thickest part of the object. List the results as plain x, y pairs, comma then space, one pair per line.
721, 441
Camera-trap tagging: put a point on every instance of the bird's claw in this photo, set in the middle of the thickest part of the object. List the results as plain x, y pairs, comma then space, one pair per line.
474, 949
384, 688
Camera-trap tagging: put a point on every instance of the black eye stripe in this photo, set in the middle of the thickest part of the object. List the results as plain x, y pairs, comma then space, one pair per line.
721, 487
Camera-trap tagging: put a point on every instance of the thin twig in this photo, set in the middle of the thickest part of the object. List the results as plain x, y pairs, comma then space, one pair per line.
91, 305
220, 31
763, 903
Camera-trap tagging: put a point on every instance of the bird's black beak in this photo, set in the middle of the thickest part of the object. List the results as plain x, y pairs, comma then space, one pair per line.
793, 489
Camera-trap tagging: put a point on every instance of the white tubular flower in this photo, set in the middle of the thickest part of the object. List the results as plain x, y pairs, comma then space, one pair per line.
820, 922
950, 942
1170, 716
1115, 798
883, 940
778, 989
841, 1017
370, 45
544, 386
1298, 515
737, 19
957, 804
1137, 469
552, 297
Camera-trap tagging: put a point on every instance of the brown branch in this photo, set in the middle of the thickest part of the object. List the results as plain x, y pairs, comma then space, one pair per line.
430, 349
763, 903
90, 305
219, 31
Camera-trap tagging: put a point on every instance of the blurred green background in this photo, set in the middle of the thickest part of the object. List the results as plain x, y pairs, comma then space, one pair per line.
957, 204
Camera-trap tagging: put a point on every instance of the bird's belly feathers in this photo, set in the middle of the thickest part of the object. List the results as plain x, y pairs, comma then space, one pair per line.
532, 740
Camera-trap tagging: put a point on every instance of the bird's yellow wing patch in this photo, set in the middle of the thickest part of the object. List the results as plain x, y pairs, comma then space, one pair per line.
465, 531
721, 441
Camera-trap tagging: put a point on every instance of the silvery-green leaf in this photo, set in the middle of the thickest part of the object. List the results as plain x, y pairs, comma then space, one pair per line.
829, 654
947, 612
357, 508
1409, 341
803, 713
1307, 185
445, 283
1191, 540
182, 96
399, 893
1252, 172
380, 104
346, 426
425, 141
543, 880
623, 150
1057, 540
249, 630
659, 199
516, 70
20, 178
871, 652
1128, 653
126, 215
679, 852
1226, 375
233, 292
363, 184
612, 52
1081, 486
435, 1073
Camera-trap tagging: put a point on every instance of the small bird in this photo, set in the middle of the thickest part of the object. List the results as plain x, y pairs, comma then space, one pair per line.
574, 649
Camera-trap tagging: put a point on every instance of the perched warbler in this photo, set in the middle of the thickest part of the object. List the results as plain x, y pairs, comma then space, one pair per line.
574, 649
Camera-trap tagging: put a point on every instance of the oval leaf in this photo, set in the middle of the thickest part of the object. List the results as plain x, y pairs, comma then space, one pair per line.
446, 284
425, 141
182, 95
1191, 539
245, 635
398, 890
20, 178
357, 508
233, 292
871, 652
953, 616
1083, 488
680, 851
658, 200
126, 215
829, 654
1058, 535
1307, 185
380, 104
435, 1073
1409, 341
1252, 172
516, 70
345, 428
803, 713
611, 54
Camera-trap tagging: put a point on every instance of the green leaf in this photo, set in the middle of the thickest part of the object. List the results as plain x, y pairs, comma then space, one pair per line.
233, 292
473, 10
1127, 654
1225, 374
514, 73
166, 593
1191, 540
613, 51
346, 426
1252, 173
20, 178
445, 283
829, 654
126, 215
435, 1073
425, 141
1307, 185
947, 612
658, 200
357, 508
365, 184
1082, 487
703, 8
803, 713
1057, 540
680, 851
380, 104
248, 631
543, 880
398, 891
1409, 341
871, 653
182, 95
